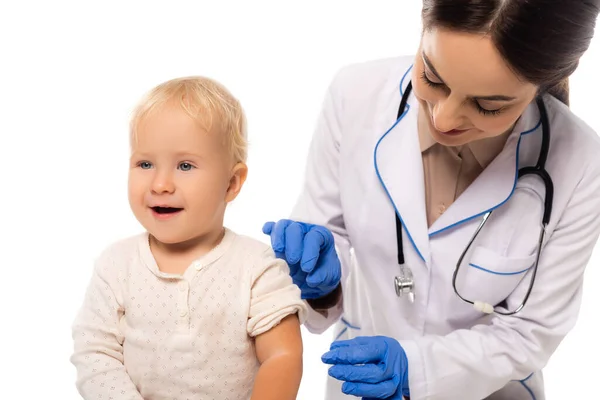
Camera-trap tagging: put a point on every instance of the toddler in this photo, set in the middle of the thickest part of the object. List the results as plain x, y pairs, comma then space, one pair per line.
188, 309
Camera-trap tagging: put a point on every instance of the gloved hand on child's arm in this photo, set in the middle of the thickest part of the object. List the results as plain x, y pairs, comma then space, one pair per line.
310, 253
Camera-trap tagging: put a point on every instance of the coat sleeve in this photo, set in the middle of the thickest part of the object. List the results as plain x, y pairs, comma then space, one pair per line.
486, 357
320, 202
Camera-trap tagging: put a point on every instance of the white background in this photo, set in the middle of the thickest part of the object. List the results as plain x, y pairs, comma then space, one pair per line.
69, 76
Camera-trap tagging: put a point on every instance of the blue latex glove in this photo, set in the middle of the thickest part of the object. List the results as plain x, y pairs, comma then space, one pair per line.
310, 252
373, 367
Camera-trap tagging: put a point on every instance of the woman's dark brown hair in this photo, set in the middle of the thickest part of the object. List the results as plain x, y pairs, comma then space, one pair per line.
541, 40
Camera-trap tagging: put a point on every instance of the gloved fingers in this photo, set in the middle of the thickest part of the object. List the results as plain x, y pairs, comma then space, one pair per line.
297, 275
319, 277
308, 293
294, 235
365, 373
280, 254
312, 250
294, 271
268, 227
278, 235
327, 236
382, 390
299, 279
343, 343
355, 354
359, 340
325, 276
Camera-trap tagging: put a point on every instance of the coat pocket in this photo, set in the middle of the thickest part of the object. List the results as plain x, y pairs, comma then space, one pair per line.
490, 277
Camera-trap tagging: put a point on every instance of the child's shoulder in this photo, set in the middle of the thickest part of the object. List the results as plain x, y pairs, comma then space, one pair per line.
258, 257
252, 251
251, 246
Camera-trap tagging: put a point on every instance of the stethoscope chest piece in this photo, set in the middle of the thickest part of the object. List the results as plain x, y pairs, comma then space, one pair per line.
404, 284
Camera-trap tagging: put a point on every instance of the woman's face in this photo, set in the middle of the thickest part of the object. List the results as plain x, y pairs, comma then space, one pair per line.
465, 88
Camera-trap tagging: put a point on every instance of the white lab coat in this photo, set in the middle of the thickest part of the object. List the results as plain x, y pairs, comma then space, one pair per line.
453, 350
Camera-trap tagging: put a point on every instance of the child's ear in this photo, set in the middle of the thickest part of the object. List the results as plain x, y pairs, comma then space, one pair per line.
238, 177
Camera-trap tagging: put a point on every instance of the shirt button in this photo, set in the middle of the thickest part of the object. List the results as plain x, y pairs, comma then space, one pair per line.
183, 313
182, 286
198, 266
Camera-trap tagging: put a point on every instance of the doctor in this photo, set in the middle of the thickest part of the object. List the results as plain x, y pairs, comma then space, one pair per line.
381, 240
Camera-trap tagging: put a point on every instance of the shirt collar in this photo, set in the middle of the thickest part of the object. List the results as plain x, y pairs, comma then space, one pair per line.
201, 262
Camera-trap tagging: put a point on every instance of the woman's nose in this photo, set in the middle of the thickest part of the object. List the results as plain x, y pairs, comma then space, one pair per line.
447, 115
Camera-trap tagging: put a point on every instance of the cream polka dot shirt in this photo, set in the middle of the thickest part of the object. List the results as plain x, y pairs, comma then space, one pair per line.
145, 334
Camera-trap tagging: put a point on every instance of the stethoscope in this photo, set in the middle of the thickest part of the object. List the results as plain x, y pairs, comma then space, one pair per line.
404, 283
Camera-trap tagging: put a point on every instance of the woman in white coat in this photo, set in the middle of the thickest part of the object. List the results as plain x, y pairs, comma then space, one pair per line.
395, 192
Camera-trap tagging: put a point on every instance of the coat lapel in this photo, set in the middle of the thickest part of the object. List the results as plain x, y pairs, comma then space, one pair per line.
399, 167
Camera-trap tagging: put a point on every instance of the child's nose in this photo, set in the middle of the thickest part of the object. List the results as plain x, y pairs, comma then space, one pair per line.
163, 183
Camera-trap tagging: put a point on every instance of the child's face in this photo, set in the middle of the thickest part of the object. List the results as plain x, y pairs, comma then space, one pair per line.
180, 177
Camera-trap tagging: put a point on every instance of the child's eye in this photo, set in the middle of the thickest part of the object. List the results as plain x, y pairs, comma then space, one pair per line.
145, 165
184, 166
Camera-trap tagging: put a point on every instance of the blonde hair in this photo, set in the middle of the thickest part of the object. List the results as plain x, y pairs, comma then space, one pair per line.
204, 100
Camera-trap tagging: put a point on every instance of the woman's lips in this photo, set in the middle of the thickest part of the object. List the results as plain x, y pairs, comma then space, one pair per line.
453, 132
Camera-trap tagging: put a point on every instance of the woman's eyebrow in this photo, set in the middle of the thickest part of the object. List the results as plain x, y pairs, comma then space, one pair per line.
431, 67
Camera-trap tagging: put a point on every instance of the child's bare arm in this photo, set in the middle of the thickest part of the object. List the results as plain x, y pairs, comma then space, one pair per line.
279, 350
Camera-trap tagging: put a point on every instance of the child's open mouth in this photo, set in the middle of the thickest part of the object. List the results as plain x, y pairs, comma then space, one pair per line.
165, 212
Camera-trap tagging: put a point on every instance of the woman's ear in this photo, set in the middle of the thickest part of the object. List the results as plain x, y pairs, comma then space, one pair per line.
238, 177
